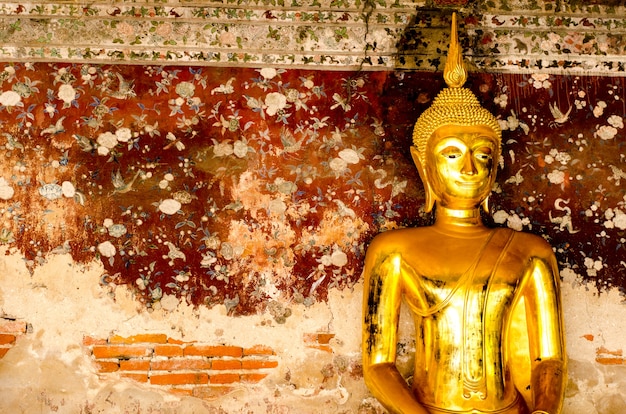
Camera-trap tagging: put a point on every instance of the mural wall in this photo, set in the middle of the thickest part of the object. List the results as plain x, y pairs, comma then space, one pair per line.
252, 188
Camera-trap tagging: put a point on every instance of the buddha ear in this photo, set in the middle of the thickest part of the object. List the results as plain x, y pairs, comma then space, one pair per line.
485, 205
421, 169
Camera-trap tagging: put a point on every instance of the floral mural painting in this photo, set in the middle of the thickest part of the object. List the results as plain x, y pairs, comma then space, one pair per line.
214, 186
248, 188
565, 164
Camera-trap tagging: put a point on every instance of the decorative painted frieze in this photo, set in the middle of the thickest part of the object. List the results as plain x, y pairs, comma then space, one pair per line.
501, 35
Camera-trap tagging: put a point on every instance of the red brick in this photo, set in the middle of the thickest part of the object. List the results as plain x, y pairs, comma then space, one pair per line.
259, 350
181, 391
174, 341
610, 361
149, 338
224, 378
107, 366
3, 351
17, 327
325, 348
226, 364
258, 364
90, 340
6, 339
603, 350
211, 392
135, 376
120, 351
213, 351
180, 364
324, 338
168, 350
178, 379
318, 338
252, 378
135, 364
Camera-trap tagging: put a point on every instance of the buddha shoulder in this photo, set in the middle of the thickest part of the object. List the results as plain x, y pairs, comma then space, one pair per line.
400, 239
530, 246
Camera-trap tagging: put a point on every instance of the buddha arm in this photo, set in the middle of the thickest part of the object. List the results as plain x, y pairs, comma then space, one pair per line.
546, 341
381, 307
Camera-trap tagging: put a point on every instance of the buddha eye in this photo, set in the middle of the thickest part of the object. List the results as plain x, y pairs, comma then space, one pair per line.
483, 154
452, 153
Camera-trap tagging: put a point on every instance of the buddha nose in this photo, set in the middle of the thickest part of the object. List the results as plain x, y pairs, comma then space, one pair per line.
468, 166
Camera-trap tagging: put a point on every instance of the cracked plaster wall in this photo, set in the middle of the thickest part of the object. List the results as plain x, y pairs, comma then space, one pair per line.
48, 370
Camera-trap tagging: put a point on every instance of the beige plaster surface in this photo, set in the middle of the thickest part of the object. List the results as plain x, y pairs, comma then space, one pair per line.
48, 369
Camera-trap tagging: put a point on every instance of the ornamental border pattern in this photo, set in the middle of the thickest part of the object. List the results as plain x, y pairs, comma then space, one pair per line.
318, 34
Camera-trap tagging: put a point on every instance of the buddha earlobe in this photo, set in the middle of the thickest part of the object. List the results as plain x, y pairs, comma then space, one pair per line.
429, 201
485, 205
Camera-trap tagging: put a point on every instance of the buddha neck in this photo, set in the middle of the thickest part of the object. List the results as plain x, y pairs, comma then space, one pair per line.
463, 221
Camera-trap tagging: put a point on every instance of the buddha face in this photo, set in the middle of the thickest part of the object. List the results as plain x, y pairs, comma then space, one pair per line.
460, 167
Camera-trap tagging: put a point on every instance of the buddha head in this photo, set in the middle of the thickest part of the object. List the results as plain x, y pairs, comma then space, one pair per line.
456, 142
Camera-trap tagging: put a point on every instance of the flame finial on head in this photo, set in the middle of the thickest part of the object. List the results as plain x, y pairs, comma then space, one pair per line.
454, 105
454, 72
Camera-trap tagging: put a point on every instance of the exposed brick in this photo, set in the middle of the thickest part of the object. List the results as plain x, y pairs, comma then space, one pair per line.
178, 379
324, 338
90, 340
149, 338
18, 327
252, 378
211, 392
180, 364
258, 350
258, 364
107, 366
3, 351
181, 391
139, 377
120, 351
610, 361
226, 364
603, 350
135, 364
319, 341
168, 350
6, 339
174, 341
213, 351
224, 378
325, 348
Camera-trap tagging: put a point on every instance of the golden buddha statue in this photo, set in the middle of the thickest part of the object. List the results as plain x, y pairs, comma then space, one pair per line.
485, 302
